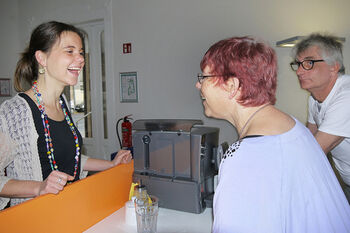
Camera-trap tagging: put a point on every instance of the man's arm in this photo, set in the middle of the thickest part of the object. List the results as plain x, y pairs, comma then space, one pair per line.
312, 128
326, 141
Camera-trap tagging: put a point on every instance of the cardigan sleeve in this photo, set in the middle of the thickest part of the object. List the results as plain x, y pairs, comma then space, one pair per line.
7, 151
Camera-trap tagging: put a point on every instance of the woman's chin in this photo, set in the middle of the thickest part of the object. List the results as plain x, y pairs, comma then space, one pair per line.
71, 82
212, 114
208, 113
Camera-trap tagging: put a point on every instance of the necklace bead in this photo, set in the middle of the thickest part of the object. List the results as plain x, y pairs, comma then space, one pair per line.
48, 140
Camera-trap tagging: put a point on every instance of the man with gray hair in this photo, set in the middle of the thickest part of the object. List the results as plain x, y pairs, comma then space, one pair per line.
318, 62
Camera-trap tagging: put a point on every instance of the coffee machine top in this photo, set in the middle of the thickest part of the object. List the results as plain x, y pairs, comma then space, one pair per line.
182, 125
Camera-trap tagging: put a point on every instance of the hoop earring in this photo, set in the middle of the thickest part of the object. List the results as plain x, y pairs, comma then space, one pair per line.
41, 71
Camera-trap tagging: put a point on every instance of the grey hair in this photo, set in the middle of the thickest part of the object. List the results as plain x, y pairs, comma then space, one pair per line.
330, 47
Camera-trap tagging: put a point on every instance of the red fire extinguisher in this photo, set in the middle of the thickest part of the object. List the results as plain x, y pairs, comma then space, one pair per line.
126, 129
126, 133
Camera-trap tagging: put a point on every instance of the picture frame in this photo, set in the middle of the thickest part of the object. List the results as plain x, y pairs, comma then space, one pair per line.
5, 87
128, 87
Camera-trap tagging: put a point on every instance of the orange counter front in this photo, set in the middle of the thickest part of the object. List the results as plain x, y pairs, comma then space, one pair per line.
76, 208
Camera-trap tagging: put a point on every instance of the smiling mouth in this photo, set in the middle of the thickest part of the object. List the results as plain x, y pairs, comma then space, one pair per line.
75, 70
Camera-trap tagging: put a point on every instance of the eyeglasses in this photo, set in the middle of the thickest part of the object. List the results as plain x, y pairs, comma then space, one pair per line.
201, 77
306, 64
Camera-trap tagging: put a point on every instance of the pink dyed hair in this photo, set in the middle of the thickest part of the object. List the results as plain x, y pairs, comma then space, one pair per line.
253, 62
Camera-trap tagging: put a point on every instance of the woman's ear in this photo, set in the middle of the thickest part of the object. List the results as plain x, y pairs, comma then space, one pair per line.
40, 57
232, 86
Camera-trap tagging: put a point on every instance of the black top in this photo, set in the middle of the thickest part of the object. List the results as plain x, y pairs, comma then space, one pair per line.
252, 136
62, 140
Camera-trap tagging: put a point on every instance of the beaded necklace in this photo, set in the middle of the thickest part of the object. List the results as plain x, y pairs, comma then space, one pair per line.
48, 140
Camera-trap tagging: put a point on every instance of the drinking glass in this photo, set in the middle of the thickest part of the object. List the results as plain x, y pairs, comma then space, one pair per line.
146, 214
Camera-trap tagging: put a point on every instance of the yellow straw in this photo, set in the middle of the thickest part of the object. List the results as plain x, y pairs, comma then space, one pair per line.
131, 192
149, 199
132, 188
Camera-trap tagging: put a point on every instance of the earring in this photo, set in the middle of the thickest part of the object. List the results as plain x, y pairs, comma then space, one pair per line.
41, 71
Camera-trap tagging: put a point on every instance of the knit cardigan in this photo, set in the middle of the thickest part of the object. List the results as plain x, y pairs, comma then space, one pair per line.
18, 146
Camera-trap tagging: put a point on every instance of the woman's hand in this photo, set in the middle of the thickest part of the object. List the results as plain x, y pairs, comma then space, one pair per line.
123, 156
54, 183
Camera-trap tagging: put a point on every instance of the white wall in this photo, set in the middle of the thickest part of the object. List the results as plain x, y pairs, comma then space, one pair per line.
9, 39
170, 37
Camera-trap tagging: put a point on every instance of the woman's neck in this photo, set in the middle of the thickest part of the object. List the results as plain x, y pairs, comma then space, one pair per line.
245, 116
50, 92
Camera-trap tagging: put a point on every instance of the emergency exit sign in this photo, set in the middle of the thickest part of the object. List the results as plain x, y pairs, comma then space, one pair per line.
127, 48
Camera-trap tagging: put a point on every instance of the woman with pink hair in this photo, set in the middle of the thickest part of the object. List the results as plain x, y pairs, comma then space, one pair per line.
275, 177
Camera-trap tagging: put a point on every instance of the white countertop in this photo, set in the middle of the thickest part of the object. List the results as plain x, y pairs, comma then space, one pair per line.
169, 221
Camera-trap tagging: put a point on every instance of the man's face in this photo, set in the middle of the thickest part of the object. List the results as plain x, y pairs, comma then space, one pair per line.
319, 78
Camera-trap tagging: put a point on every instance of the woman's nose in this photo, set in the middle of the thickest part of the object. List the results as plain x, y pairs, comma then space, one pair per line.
80, 58
198, 85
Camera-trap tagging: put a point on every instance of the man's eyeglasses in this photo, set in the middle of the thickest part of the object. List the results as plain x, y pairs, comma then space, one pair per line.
201, 77
306, 64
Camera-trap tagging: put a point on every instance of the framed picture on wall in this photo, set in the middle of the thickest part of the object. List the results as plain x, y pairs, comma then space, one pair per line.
128, 87
5, 87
